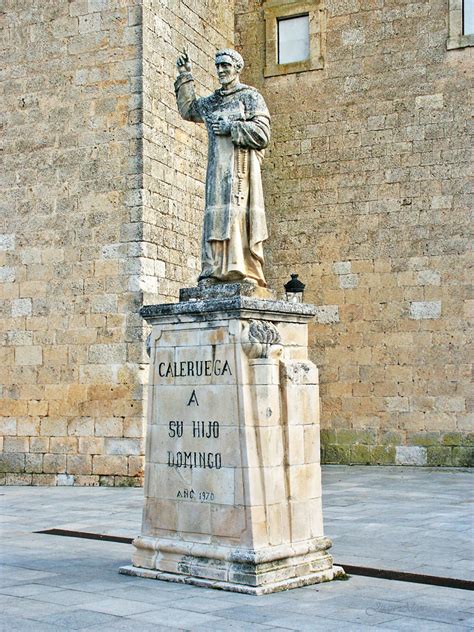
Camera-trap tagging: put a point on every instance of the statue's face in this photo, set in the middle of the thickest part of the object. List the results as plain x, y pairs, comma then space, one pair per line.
226, 70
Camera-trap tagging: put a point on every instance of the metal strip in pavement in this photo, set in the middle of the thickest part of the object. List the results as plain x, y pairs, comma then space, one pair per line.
378, 573
403, 576
87, 536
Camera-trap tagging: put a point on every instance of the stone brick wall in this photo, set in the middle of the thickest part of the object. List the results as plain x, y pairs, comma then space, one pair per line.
367, 198
70, 408
89, 190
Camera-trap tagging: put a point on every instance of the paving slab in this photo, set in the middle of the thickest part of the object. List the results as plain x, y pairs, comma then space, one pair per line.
78, 619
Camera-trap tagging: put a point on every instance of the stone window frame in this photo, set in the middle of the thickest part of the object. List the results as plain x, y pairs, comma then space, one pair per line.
456, 37
277, 9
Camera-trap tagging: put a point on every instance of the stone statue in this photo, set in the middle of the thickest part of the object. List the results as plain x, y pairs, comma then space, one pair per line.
238, 125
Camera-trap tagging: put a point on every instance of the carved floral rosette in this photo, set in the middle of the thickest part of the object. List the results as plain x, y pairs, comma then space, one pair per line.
261, 339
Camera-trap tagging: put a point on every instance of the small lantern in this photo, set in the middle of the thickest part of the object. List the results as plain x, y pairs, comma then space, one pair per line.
294, 290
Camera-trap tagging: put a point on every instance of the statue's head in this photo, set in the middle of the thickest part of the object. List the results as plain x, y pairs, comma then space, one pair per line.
229, 65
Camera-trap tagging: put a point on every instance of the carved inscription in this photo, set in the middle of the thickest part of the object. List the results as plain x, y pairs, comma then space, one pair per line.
190, 494
194, 368
192, 434
191, 458
206, 430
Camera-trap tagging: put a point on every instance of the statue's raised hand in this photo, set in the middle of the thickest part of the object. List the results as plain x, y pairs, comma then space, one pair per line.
183, 62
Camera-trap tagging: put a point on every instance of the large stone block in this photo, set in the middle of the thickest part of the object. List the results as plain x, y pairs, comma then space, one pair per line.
105, 464
12, 462
31, 355
411, 455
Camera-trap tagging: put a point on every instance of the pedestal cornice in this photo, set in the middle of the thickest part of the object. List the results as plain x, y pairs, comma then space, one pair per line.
225, 308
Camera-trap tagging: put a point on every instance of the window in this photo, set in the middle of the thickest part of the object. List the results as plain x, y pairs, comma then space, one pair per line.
294, 36
468, 17
293, 39
461, 24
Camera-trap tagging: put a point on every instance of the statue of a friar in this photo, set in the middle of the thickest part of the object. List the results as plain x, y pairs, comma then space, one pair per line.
238, 125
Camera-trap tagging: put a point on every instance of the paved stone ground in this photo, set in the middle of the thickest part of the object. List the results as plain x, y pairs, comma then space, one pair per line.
405, 519
411, 519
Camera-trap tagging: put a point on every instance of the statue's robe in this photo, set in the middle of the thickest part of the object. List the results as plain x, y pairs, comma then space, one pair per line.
234, 219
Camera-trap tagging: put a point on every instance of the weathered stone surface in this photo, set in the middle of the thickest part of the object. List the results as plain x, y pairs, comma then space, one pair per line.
326, 314
238, 305
224, 290
425, 309
410, 455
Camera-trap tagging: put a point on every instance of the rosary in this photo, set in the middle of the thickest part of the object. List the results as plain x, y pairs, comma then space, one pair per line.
242, 157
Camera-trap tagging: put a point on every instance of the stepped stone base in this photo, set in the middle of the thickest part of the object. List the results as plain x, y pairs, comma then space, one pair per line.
277, 586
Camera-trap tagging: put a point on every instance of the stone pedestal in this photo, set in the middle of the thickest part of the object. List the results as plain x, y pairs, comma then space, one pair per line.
233, 478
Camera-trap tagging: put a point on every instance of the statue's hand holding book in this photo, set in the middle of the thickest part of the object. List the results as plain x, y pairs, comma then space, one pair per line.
221, 126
